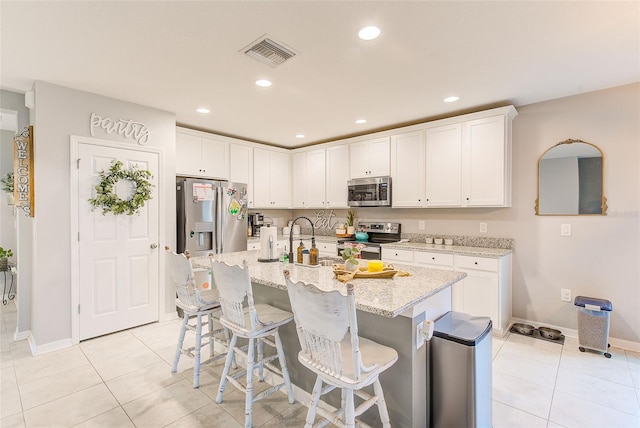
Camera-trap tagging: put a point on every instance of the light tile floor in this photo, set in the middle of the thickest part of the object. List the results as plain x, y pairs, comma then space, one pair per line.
124, 380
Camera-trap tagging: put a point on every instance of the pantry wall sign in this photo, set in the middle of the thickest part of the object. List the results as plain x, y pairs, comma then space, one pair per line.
23, 172
124, 127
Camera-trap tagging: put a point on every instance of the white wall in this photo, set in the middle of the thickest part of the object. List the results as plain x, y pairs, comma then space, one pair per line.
59, 113
602, 257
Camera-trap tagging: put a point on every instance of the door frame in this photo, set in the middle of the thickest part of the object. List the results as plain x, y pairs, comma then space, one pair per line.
75, 142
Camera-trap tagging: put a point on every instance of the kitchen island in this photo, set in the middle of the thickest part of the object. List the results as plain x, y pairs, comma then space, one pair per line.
389, 312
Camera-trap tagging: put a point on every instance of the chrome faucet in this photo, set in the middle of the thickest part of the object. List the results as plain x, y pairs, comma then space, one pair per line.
313, 234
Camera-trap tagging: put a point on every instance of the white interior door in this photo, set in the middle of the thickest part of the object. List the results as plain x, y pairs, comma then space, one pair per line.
118, 255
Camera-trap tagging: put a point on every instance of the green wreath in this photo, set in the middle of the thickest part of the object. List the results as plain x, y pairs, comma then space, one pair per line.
107, 199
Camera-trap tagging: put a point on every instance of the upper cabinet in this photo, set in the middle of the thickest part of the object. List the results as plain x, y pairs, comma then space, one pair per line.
201, 156
337, 175
271, 179
407, 169
320, 177
486, 163
444, 166
455, 162
370, 158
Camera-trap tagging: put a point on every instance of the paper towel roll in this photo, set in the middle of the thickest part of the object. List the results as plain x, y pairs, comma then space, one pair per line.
268, 243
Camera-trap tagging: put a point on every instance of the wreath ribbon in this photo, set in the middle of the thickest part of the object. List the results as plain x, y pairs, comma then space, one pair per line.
109, 201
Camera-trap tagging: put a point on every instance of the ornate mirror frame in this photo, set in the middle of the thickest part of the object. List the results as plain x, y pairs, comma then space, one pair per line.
603, 206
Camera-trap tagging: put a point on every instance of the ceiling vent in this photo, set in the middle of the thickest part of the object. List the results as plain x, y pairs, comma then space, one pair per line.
269, 52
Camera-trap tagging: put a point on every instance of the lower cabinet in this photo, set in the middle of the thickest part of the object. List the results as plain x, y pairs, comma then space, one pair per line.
397, 256
324, 248
486, 290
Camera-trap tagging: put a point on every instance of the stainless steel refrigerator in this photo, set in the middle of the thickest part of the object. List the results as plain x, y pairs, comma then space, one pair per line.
211, 216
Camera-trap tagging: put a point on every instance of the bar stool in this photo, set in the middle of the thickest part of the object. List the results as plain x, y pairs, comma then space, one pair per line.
331, 348
193, 304
256, 322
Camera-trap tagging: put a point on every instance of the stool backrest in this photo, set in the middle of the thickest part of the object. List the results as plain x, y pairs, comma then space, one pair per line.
323, 319
181, 273
234, 285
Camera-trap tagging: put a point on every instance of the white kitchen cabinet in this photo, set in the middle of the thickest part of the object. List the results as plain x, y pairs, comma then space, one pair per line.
397, 256
443, 148
200, 156
309, 179
370, 158
253, 246
324, 248
271, 179
486, 291
337, 175
486, 166
320, 178
408, 169
433, 260
240, 168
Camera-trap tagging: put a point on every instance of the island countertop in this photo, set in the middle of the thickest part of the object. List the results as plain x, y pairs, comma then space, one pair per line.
386, 297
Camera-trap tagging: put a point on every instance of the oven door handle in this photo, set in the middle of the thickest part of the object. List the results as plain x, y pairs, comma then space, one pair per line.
371, 250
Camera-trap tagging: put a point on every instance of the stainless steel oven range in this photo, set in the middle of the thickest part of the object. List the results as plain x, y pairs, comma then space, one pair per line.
379, 233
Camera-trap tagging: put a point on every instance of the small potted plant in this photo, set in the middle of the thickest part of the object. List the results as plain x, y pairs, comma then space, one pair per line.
351, 220
350, 255
7, 186
4, 259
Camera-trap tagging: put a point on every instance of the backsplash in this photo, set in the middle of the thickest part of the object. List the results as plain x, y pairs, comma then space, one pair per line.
464, 241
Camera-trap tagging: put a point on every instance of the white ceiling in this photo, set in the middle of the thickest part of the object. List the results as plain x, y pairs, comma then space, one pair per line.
178, 55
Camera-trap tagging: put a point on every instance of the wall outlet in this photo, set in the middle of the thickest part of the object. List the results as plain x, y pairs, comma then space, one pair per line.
483, 227
421, 224
275, 221
565, 229
565, 294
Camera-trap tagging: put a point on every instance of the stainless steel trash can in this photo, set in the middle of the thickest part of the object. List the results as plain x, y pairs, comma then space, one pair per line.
460, 367
593, 324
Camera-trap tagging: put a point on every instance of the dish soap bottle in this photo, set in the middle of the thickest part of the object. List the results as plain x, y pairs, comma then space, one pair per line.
300, 250
313, 253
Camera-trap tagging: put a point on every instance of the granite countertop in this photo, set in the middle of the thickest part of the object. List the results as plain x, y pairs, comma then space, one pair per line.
385, 297
450, 249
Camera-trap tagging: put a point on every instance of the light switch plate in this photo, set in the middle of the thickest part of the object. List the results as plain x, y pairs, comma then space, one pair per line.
483, 227
565, 229
565, 294
421, 224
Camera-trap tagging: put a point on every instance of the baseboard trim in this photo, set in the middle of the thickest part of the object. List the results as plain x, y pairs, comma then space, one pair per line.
21, 335
618, 343
47, 347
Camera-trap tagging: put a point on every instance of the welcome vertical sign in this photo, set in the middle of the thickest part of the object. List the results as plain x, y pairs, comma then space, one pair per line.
23, 172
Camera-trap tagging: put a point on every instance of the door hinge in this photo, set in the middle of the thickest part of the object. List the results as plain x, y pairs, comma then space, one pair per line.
78, 236
78, 309
78, 163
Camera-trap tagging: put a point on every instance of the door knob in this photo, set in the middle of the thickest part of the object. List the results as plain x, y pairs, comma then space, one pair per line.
154, 246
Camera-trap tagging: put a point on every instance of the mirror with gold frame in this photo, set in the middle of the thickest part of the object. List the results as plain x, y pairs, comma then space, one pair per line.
571, 180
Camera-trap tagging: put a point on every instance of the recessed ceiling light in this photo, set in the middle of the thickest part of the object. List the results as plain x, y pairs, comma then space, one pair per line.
451, 99
299, 135
263, 82
359, 121
369, 33
203, 110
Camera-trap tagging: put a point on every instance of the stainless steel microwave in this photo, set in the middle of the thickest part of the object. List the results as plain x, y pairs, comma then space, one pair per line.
369, 192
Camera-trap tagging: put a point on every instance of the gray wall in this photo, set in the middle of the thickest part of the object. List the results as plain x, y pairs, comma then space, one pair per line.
602, 257
60, 113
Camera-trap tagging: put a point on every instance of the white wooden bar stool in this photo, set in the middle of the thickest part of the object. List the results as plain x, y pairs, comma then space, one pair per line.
193, 304
328, 332
254, 322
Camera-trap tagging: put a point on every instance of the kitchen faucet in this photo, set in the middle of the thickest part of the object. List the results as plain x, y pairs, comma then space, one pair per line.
313, 234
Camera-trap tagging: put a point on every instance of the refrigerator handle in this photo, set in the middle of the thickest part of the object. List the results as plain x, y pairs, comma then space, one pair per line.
219, 213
